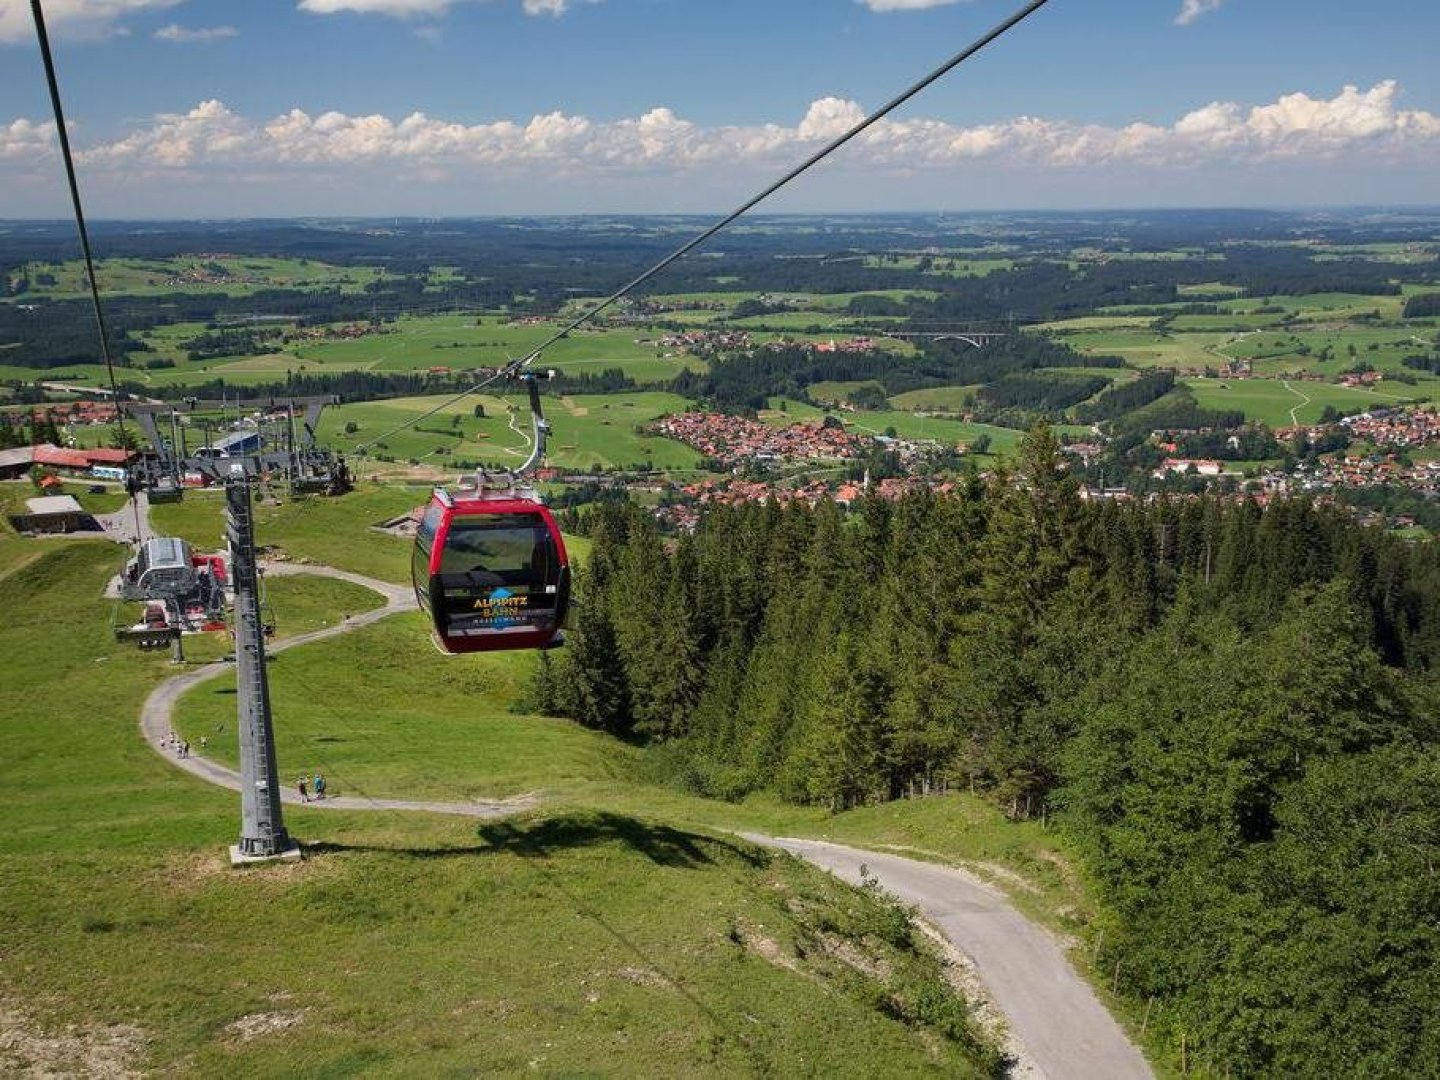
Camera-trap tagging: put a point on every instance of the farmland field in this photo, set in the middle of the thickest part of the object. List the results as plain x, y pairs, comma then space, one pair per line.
588, 431
1067, 327
1145, 348
934, 399
464, 341
227, 274
906, 424
410, 343
942, 263
1209, 288
1323, 305
1274, 402
834, 391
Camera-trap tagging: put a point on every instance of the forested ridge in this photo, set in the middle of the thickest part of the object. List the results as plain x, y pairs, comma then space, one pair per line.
1231, 710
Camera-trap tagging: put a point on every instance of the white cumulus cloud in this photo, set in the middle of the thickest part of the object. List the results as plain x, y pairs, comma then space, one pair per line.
829, 118
408, 9
906, 5
93, 18
1295, 127
403, 9
208, 134
24, 140
1190, 10
199, 35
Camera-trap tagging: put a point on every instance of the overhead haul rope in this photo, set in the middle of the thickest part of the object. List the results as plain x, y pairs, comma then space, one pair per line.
84, 232
513, 367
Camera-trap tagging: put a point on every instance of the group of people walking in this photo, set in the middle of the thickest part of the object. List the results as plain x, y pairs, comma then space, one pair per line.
308, 785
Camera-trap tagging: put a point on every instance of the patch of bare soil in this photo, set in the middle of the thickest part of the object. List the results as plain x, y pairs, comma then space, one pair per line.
1063, 867
258, 1025
642, 976
192, 870
189, 872
853, 956
92, 1050
754, 940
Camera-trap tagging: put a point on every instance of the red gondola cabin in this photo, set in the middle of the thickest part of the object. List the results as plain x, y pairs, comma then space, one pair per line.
492, 573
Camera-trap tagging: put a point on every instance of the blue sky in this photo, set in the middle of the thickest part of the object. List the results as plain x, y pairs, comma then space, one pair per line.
232, 108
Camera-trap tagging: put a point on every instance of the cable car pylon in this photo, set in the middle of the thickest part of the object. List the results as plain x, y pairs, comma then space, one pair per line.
262, 828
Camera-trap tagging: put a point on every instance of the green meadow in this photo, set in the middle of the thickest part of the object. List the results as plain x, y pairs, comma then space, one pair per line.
1103, 255
1323, 305
1395, 252
1096, 323
1208, 289
13, 494
337, 532
836, 391
933, 428
1281, 403
935, 399
1144, 348
943, 264
1274, 349
461, 342
1229, 324
587, 431
721, 304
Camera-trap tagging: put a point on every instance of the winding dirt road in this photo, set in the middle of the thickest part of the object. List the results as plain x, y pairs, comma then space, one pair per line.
1061, 1029
156, 714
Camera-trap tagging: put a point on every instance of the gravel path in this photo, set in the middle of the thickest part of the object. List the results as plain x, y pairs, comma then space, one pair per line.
156, 714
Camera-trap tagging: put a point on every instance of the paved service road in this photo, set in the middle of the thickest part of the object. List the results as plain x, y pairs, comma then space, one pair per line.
1056, 1017
131, 523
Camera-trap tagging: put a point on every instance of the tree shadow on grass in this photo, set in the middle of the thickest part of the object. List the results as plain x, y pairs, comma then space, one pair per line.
541, 838
659, 843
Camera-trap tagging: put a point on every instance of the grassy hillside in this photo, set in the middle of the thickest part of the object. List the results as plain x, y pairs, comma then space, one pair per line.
603, 934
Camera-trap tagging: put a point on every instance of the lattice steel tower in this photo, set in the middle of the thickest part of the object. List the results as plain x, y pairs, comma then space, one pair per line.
262, 829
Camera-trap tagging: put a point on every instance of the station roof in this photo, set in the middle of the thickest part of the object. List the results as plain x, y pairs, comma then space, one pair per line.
45, 505
46, 454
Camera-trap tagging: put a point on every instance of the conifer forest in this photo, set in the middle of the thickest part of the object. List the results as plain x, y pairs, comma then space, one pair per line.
1231, 709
